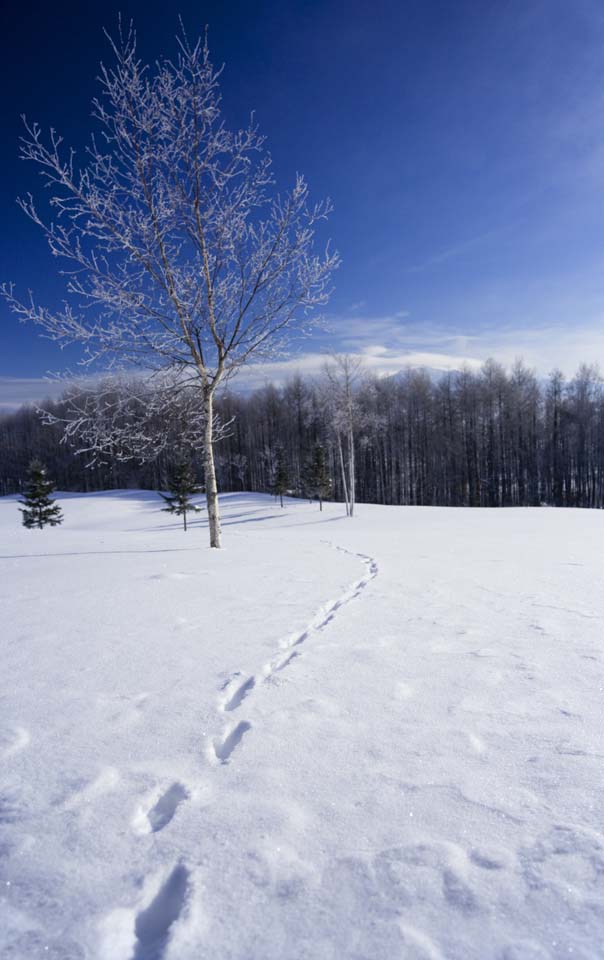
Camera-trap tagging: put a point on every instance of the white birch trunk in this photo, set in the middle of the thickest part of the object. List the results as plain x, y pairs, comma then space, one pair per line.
351, 470
342, 468
210, 475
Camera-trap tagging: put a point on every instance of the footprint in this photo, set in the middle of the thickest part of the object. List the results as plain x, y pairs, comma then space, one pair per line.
162, 813
285, 663
240, 694
327, 621
224, 748
153, 925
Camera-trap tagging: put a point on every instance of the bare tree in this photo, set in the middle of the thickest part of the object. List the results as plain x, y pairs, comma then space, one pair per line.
529, 441
180, 255
342, 376
120, 418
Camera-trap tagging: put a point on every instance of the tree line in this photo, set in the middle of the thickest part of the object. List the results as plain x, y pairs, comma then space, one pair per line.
470, 438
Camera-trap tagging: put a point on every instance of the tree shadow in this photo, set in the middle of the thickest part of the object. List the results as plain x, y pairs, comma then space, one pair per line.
96, 553
235, 522
310, 523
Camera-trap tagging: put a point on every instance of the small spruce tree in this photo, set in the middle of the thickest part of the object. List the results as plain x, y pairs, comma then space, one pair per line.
281, 484
317, 476
182, 485
38, 508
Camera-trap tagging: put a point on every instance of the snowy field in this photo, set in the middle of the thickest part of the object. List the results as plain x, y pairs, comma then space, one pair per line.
370, 738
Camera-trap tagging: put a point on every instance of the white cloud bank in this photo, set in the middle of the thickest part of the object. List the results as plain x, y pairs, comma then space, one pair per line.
16, 391
390, 344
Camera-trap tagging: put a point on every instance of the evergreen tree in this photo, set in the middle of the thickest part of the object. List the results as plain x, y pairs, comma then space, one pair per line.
38, 508
182, 485
281, 484
318, 481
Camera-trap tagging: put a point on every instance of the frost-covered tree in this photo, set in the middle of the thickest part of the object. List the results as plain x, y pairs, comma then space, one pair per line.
281, 484
182, 485
38, 508
179, 253
119, 418
342, 376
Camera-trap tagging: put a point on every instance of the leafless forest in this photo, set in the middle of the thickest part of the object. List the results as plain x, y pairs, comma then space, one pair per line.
488, 438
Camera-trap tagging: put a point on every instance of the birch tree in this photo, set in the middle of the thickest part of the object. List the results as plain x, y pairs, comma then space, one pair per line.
342, 375
179, 255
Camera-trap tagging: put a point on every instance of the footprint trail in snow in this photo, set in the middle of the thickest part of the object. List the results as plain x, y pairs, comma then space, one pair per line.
234, 696
153, 925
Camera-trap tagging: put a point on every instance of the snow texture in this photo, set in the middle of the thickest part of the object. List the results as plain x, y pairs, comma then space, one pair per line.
368, 738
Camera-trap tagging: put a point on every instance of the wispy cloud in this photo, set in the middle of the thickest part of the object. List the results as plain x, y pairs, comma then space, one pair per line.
449, 253
546, 347
16, 391
397, 332
388, 344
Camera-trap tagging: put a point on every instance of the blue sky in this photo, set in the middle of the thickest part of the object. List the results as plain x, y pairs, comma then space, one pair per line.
462, 144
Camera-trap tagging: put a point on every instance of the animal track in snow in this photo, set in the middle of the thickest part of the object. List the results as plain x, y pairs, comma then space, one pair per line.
223, 747
234, 700
327, 613
153, 924
162, 812
286, 662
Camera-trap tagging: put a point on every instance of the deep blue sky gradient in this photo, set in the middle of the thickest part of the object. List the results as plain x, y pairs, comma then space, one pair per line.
462, 144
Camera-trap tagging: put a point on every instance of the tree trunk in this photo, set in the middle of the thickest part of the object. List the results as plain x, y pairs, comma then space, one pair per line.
344, 484
351, 470
210, 473
184, 520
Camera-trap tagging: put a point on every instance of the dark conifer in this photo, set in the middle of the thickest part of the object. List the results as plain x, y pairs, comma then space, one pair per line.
182, 485
38, 508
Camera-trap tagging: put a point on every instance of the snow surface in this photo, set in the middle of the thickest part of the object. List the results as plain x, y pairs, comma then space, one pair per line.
368, 738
